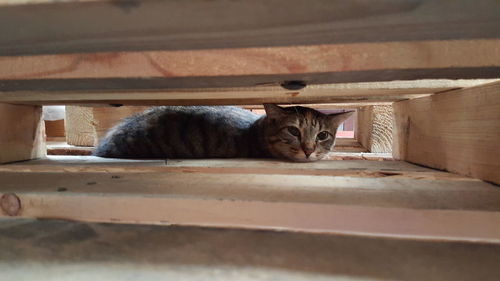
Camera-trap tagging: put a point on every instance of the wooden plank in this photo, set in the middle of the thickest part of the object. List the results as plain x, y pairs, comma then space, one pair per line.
22, 133
463, 210
364, 126
417, 56
363, 93
457, 131
345, 168
63, 148
55, 129
94, 26
383, 122
382, 222
361, 156
375, 126
87, 125
79, 127
41, 249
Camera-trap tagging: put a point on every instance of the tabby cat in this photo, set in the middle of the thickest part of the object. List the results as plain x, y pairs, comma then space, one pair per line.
296, 133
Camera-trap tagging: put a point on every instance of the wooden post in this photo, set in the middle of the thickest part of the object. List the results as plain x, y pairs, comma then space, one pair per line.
457, 131
375, 126
22, 134
87, 125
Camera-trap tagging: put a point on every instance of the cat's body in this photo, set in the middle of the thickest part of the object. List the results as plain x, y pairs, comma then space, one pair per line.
223, 132
185, 132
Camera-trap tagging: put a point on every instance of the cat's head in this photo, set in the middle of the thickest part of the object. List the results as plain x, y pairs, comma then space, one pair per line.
301, 134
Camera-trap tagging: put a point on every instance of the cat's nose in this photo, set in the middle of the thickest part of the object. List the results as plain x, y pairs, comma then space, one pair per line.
308, 151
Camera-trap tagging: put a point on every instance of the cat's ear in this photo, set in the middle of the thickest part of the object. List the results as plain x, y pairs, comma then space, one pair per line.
273, 111
338, 118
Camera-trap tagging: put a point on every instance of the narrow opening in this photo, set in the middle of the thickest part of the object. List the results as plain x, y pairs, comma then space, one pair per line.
76, 130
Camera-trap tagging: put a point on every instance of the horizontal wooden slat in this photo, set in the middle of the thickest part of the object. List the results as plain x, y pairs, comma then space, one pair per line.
395, 170
264, 176
257, 194
316, 218
22, 133
252, 75
420, 58
351, 93
93, 26
42, 249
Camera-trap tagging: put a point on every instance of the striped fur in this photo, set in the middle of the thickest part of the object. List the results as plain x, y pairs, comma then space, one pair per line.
221, 132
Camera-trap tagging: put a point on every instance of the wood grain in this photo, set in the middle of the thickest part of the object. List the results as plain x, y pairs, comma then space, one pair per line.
183, 93
22, 133
463, 210
55, 128
457, 131
364, 126
375, 128
344, 168
193, 253
80, 129
383, 121
105, 118
96, 26
353, 57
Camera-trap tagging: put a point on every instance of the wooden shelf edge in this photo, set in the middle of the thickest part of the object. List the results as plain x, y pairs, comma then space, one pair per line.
447, 225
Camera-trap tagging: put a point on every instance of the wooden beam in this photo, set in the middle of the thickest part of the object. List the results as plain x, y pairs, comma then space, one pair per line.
22, 133
95, 26
364, 125
375, 126
138, 94
41, 249
212, 193
87, 125
447, 225
457, 131
63, 148
359, 62
345, 168
80, 129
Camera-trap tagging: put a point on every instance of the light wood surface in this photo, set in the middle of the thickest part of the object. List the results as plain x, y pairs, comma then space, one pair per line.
87, 125
134, 93
105, 118
364, 126
375, 128
347, 167
414, 59
22, 133
387, 198
457, 131
80, 129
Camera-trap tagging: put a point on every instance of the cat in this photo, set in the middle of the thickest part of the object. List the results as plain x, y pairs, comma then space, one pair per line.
298, 134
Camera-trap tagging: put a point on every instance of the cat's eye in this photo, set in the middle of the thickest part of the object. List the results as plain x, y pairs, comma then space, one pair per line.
322, 136
293, 130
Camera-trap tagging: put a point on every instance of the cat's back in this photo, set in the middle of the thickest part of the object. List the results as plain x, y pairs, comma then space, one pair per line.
180, 132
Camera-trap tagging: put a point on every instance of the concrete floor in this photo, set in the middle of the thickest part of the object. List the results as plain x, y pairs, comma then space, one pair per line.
58, 250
